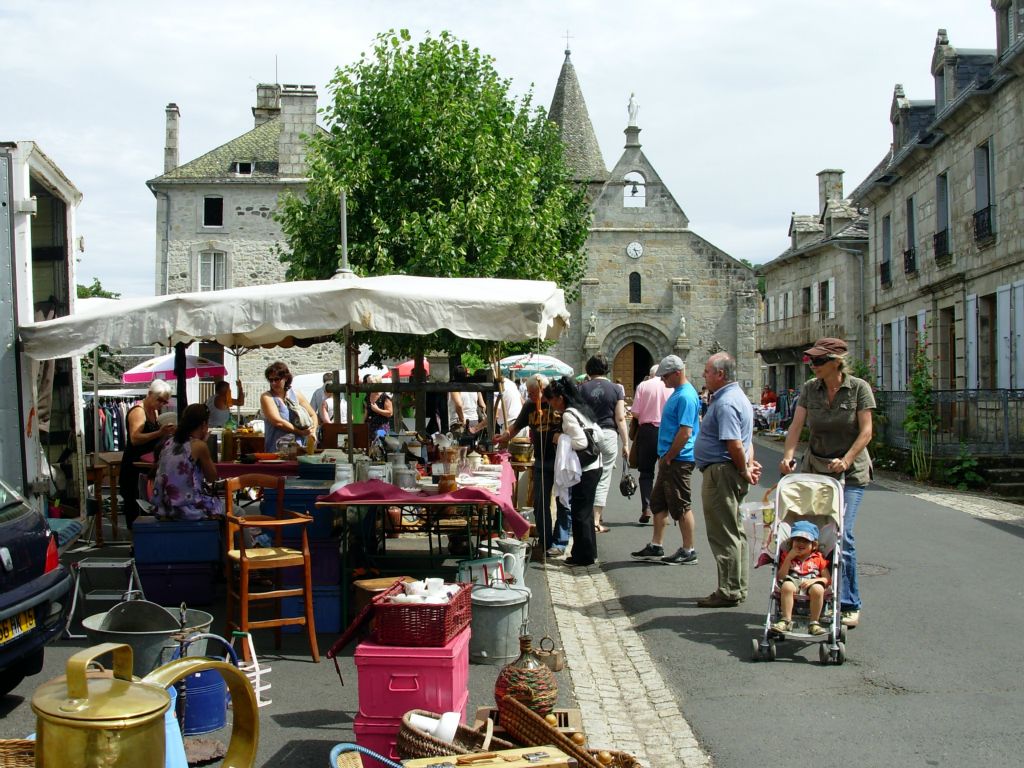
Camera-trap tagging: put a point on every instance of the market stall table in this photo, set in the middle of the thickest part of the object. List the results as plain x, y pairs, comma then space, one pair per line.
477, 509
100, 467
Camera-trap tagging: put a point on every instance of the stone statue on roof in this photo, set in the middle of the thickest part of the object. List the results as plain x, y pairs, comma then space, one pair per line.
633, 108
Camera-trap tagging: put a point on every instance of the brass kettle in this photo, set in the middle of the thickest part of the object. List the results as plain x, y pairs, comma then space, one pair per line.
85, 720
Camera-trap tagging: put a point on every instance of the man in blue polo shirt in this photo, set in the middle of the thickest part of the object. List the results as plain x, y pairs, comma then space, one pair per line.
724, 453
680, 423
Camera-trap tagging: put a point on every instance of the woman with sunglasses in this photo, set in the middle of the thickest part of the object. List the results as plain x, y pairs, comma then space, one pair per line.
143, 434
836, 408
277, 404
185, 463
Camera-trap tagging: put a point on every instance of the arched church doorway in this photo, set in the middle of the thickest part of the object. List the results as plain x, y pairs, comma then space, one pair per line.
631, 366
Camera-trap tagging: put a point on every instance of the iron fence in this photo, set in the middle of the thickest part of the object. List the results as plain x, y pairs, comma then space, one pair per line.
986, 421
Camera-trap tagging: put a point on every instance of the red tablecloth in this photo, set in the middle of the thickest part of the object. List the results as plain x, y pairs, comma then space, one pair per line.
379, 492
226, 469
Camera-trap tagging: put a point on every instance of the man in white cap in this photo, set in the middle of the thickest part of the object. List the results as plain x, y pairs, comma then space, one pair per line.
671, 495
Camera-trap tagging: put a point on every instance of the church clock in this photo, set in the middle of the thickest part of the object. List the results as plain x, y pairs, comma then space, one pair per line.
634, 250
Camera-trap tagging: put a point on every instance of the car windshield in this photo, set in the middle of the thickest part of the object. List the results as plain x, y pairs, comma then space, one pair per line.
12, 505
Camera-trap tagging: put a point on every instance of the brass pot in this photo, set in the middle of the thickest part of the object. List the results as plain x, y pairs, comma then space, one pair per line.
521, 450
118, 722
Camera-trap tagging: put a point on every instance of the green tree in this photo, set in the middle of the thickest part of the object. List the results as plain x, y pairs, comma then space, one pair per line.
109, 365
446, 174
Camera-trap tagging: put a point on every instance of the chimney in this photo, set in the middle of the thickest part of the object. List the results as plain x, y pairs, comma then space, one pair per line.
268, 103
830, 187
298, 118
171, 140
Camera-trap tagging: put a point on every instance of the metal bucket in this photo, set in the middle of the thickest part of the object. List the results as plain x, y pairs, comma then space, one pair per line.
152, 636
498, 616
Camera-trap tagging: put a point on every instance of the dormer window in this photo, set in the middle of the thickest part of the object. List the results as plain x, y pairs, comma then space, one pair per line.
634, 191
242, 168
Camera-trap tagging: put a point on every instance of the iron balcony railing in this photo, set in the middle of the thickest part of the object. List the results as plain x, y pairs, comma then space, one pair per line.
799, 330
910, 261
984, 224
885, 273
986, 421
941, 243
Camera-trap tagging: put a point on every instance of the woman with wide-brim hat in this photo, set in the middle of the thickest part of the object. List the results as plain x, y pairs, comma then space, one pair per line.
836, 408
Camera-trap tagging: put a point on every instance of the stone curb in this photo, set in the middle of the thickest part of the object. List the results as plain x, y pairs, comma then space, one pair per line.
624, 701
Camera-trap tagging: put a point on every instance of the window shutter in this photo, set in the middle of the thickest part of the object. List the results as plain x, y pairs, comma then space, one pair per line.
1017, 375
971, 340
831, 298
879, 355
899, 345
981, 181
815, 304
789, 304
1004, 343
771, 309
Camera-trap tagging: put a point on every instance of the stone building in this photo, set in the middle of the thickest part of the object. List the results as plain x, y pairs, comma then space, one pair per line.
653, 287
214, 220
946, 229
947, 221
815, 287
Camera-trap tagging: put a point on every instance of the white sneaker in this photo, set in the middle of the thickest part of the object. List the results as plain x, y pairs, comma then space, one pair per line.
850, 618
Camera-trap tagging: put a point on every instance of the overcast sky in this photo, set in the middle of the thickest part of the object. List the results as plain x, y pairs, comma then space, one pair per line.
741, 102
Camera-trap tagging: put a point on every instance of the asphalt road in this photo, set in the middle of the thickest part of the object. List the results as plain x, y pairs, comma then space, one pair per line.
933, 675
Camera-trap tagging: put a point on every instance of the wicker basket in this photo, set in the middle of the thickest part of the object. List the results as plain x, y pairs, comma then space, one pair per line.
17, 753
414, 742
532, 730
421, 625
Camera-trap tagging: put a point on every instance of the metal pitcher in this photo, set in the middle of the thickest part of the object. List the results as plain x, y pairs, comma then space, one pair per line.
85, 721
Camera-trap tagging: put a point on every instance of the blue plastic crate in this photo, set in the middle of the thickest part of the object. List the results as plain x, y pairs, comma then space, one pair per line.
176, 541
324, 565
326, 610
171, 584
301, 495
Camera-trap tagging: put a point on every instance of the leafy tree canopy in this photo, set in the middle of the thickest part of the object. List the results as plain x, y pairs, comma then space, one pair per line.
446, 174
112, 366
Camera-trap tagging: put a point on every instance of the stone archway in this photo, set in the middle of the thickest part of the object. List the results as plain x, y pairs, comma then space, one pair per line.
632, 348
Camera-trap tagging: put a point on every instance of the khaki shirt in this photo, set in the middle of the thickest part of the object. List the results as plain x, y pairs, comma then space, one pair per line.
834, 428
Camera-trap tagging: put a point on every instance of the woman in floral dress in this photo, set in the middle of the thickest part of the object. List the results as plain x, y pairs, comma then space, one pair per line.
184, 464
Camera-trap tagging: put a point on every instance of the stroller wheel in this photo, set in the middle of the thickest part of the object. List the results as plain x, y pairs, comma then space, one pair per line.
823, 653
755, 648
771, 650
841, 652
842, 633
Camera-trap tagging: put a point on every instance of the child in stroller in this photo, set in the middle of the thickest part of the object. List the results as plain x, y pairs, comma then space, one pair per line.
803, 570
804, 547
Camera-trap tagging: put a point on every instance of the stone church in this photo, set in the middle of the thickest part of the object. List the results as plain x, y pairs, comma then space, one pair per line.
653, 286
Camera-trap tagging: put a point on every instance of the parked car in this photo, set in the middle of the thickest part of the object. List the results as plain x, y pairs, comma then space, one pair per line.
34, 589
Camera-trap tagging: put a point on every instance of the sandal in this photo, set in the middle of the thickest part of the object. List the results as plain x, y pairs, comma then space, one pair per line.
783, 626
601, 529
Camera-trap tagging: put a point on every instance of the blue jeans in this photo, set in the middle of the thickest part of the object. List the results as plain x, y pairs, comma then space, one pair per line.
553, 533
849, 593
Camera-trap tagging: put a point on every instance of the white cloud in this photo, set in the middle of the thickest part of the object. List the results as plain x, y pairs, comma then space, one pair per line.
741, 103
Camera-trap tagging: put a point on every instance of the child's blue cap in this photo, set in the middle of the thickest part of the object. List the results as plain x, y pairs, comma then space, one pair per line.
804, 529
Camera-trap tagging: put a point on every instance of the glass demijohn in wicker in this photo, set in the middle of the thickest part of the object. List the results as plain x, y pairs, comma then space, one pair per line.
528, 680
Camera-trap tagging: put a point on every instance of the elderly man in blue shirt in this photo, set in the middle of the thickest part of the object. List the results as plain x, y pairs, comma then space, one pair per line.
724, 453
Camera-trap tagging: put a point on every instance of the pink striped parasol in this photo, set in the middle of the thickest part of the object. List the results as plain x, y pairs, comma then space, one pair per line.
163, 368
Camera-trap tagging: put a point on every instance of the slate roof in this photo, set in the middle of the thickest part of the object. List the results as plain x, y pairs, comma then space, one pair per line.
569, 111
259, 146
806, 223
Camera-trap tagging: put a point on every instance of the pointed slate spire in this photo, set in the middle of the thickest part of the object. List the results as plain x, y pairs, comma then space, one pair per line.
569, 111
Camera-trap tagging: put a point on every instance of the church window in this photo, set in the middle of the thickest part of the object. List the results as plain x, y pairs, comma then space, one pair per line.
634, 287
212, 271
213, 211
634, 191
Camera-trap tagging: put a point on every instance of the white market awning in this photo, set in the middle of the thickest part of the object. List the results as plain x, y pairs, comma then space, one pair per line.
267, 315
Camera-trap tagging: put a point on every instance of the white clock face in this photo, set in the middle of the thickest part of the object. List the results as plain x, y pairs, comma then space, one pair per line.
634, 250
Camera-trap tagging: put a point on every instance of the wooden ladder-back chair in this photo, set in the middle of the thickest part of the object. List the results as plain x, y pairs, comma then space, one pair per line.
242, 560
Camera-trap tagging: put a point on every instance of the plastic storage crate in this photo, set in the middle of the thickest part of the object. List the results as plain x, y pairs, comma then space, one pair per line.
394, 679
301, 495
176, 541
176, 583
326, 610
324, 563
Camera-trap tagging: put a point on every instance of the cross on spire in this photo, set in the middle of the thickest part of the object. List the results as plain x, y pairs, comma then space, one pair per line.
567, 38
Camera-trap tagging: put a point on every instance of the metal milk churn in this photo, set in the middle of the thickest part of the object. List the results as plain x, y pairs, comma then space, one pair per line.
86, 721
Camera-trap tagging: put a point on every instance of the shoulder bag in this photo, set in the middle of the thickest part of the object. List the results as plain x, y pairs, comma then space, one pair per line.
297, 415
592, 452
